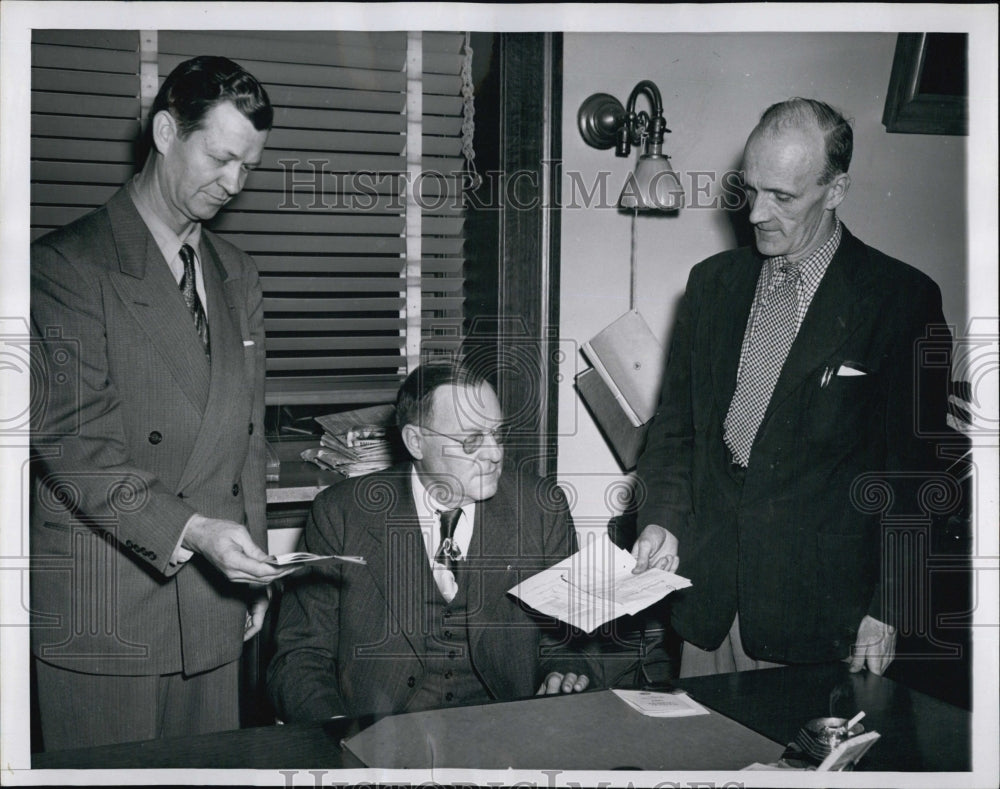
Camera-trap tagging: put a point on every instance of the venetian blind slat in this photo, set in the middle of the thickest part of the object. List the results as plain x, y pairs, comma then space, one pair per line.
84, 122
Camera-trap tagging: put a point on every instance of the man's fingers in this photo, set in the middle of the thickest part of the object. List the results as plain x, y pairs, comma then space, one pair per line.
550, 685
641, 553
581, 683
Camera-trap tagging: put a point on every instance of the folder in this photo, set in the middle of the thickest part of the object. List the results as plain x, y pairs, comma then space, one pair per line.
628, 357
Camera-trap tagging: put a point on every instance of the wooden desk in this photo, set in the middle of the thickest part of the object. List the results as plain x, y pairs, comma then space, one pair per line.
918, 733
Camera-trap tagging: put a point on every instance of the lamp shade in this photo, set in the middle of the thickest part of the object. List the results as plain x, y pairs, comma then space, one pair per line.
654, 186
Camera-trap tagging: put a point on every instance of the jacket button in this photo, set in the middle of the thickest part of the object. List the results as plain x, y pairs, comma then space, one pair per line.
236, 489
250, 428
155, 437
410, 682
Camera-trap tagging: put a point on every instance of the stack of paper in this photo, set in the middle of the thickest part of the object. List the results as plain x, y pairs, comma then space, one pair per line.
303, 558
355, 442
596, 585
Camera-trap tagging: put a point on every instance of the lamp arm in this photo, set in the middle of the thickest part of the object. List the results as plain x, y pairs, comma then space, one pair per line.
658, 125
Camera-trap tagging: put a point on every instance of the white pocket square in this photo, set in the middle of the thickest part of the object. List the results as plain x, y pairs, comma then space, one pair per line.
248, 343
847, 370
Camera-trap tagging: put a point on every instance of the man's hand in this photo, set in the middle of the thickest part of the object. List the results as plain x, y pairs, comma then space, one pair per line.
875, 645
229, 546
656, 547
557, 682
255, 614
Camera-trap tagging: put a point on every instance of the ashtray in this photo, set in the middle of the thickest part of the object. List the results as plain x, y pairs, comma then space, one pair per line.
821, 735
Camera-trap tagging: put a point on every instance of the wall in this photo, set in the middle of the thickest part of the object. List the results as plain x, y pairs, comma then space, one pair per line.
908, 193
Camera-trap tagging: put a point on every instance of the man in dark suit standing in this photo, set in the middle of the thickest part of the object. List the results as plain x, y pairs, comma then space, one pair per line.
148, 451
792, 384
427, 622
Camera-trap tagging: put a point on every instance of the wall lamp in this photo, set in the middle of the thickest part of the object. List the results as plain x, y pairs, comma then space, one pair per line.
604, 123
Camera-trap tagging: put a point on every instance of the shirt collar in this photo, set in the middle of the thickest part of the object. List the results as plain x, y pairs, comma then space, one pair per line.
430, 524
427, 508
166, 239
812, 268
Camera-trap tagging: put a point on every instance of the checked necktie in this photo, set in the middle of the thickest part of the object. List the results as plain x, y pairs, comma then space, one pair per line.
773, 332
449, 553
190, 294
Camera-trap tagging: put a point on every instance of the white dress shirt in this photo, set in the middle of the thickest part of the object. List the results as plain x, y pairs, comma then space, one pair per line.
428, 513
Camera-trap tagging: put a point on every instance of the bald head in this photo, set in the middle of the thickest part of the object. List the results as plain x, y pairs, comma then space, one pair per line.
810, 117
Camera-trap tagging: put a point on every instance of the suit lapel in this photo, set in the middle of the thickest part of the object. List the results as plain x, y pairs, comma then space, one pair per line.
494, 532
729, 324
150, 293
832, 318
228, 384
393, 549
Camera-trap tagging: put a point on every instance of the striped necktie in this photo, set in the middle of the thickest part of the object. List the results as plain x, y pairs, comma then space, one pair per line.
190, 294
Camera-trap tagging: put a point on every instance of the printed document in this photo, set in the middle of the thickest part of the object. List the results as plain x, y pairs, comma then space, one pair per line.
596, 585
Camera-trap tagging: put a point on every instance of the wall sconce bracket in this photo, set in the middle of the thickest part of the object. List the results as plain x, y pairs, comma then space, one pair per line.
599, 118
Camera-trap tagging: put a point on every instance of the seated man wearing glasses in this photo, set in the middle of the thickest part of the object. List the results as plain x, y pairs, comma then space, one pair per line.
427, 622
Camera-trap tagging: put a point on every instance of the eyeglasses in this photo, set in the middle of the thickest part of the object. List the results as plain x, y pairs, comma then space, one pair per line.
473, 441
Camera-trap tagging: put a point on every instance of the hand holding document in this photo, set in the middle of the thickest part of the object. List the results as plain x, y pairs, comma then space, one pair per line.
303, 558
596, 585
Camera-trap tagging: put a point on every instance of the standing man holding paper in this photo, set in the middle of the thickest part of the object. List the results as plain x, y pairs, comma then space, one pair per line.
427, 622
794, 380
147, 510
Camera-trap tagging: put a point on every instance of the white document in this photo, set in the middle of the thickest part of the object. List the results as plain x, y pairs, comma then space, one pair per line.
661, 705
304, 558
596, 585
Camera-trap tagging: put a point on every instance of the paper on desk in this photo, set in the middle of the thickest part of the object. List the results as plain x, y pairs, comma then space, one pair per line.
304, 558
595, 585
660, 705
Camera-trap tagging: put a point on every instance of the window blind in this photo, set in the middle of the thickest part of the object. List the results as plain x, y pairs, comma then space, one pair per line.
84, 121
324, 216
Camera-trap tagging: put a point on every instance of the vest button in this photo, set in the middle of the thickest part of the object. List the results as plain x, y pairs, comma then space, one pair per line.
447, 634
452, 655
411, 681
448, 674
449, 696
236, 490
155, 437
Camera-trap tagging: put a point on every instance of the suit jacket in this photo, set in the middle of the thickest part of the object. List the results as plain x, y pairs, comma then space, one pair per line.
350, 639
797, 549
133, 432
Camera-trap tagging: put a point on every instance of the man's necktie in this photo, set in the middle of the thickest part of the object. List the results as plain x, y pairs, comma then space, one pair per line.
449, 553
773, 333
190, 294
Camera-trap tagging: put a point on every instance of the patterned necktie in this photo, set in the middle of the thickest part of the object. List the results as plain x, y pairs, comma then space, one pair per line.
190, 294
773, 332
449, 554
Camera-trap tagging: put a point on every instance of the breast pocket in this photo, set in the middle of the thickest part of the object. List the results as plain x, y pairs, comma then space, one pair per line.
843, 408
